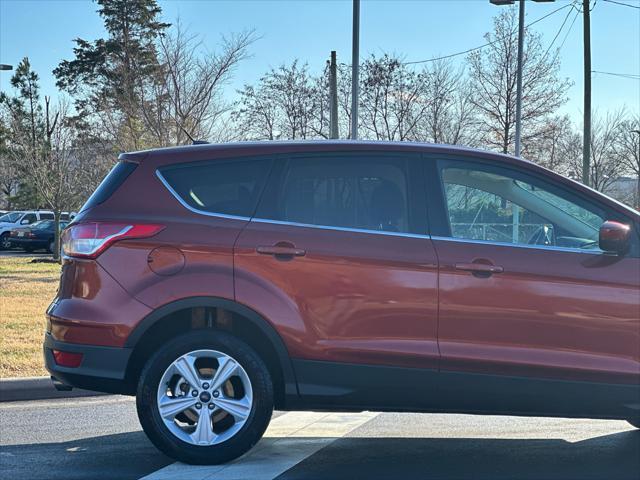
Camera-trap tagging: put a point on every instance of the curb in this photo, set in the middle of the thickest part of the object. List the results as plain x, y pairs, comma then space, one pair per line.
36, 388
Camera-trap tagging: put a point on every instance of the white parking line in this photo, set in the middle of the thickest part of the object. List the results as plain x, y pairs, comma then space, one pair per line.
289, 439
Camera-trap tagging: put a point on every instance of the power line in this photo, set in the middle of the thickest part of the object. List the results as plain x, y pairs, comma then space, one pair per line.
623, 4
486, 44
558, 33
631, 76
566, 35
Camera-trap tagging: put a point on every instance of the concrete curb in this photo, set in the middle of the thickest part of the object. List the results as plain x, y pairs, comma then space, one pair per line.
36, 388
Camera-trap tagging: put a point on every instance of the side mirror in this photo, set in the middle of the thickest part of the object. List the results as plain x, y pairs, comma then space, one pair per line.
614, 237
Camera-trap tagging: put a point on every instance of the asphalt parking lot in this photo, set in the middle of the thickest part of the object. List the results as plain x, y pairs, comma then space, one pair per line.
100, 438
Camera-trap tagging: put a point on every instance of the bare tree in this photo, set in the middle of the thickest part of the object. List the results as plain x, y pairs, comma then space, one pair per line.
393, 100
557, 147
606, 164
185, 102
451, 116
628, 149
493, 72
51, 165
286, 103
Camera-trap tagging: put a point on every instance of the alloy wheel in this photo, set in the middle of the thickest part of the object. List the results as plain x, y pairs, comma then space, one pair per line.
204, 397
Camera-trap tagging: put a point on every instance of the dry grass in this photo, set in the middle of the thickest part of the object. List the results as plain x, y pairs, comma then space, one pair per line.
26, 289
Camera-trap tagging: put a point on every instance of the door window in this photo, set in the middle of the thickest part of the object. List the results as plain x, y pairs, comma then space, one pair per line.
346, 192
29, 217
497, 205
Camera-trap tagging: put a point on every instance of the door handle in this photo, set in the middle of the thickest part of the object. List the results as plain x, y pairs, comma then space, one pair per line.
479, 268
281, 251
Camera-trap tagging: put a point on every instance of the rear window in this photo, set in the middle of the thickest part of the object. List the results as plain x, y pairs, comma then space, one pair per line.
218, 187
110, 184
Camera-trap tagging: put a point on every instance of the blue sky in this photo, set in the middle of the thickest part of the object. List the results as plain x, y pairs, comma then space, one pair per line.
43, 30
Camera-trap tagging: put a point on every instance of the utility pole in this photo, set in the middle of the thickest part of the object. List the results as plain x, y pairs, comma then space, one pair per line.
519, 79
333, 96
355, 69
586, 145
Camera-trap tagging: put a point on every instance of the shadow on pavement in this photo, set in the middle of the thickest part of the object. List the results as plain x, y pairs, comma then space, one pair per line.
131, 455
610, 457
121, 456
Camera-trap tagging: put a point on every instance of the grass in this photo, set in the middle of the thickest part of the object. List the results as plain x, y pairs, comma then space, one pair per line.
26, 289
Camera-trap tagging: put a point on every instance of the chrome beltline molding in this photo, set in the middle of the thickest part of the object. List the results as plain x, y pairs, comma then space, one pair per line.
366, 231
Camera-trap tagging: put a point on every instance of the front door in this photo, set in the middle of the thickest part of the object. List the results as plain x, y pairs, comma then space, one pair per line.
524, 289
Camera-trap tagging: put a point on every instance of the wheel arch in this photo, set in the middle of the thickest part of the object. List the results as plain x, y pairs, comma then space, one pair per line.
136, 340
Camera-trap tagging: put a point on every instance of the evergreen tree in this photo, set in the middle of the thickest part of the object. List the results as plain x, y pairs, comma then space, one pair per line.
107, 76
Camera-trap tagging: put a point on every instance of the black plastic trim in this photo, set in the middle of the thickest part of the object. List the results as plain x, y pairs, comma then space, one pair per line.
290, 384
353, 387
102, 368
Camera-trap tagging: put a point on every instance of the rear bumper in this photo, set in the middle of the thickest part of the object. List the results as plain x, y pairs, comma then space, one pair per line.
102, 369
28, 243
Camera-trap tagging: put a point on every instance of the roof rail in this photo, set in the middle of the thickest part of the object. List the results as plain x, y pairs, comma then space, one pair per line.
199, 142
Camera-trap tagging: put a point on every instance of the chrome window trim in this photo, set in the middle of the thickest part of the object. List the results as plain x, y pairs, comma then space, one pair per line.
518, 245
339, 229
193, 209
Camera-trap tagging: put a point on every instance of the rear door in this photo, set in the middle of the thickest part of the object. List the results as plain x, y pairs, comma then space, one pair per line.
524, 289
338, 257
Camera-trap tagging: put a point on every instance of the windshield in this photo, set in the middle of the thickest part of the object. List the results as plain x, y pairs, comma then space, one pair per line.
10, 217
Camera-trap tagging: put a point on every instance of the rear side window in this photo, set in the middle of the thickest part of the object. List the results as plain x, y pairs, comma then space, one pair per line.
110, 184
46, 216
366, 193
218, 187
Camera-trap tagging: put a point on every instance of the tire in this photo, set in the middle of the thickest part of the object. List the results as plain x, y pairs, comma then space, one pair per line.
634, 421
5, 243
52, 246
161, 431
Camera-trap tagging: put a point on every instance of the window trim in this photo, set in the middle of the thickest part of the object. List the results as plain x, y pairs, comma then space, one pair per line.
340, 229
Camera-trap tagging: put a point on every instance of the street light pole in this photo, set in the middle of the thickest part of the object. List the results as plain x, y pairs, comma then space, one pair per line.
355, 69
520, 66
519, 79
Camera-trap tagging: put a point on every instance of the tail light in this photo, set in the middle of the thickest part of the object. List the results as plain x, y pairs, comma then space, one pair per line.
88, 240
67, 359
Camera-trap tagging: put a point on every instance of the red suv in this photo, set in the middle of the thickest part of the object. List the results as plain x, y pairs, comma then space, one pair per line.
216, 282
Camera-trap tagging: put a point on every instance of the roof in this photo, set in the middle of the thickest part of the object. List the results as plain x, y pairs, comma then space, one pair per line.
217, 150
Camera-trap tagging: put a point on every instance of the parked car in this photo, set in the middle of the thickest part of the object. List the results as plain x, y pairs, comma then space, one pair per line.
38, 235
216, 282
11, 220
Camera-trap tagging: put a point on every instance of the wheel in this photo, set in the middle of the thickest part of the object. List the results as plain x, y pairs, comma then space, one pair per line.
205, 397
5, 242
634, 421
52, 246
